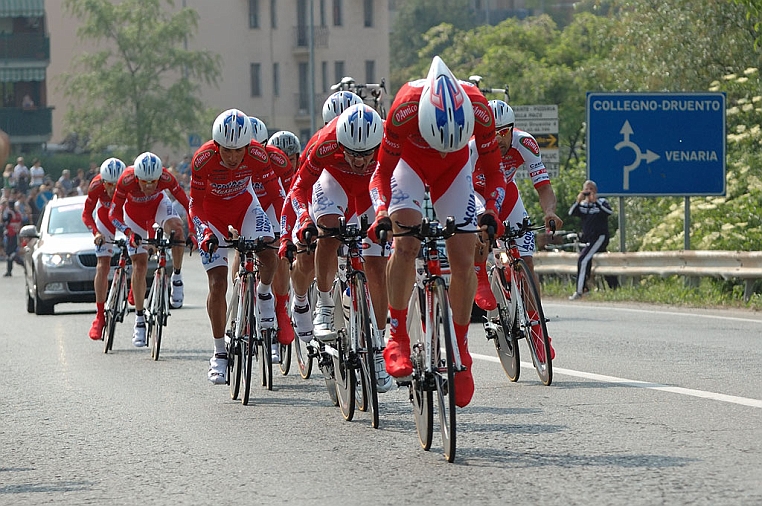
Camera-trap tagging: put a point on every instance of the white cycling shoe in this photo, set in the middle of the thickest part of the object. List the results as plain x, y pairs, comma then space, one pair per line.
218, 368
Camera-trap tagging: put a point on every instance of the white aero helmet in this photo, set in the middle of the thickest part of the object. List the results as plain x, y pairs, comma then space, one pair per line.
503, 112
359, 129
232, 129
338, 103
445, 113
147, 167
111, 169
286, 142
258, 130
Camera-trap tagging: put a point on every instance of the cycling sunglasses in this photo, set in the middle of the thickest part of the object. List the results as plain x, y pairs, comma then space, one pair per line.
503, 131
360, 154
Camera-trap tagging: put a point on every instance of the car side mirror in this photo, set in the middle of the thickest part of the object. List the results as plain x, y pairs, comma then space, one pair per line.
28, 232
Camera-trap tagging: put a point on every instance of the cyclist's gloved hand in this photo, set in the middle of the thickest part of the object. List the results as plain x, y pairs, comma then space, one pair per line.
191, 242
380, 230
99, 240
287, 249
134, 238
210, 242
307, 232
497, 228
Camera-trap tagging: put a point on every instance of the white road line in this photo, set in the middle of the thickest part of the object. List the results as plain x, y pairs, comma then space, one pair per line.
672, 313
744, 401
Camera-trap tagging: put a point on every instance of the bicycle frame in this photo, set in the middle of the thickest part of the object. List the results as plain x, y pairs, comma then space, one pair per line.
116, 300
157, 304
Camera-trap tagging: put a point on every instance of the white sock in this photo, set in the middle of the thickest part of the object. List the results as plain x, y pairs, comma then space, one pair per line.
219, 345
263, 289
300, 300
326, 298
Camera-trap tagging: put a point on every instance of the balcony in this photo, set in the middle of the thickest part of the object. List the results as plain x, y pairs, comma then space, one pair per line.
302, 38
24, 46
27, 126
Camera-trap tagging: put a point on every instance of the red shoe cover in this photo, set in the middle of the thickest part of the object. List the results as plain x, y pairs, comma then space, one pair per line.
130, 298
96, 331
285, 330
484, 298
397, 358
464, 388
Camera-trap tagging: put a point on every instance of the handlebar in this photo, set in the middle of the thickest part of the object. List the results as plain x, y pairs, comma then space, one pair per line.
431, 229
346, 232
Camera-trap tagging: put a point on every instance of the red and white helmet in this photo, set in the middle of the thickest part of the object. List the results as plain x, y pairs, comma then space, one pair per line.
503, 112
445, 113
111, 169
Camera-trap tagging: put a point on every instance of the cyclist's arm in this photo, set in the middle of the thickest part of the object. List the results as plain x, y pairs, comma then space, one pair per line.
116, 214
87, 212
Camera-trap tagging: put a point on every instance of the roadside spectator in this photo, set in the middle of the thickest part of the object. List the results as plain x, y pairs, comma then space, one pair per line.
594, 211
65, 182
8, 181
26, 102
36, 173
44, 196
31, 202
12, 220
21, 175
95, 169
183, 168
77, 180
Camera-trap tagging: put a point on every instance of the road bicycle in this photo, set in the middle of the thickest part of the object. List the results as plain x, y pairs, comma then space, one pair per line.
116, 301
157, 304
245, 340
348, 360
370, 93
519, 314
564, 240
477, 81
434, 351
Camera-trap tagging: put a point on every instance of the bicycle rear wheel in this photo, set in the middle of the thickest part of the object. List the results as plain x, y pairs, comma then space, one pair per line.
361, 327
443, 340
264, 344
504, 319
248, 334
532, 322
159, 311
303, 359
421, 394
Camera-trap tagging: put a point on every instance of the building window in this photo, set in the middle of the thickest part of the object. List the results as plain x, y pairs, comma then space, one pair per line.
338, 70
256, 83
304, 95
323, 21
253, 13
337, 14
324, 76
274, 15
276, 79
368, 8
370, 71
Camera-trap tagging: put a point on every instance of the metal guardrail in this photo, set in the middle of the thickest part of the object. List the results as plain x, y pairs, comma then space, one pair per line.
746, 265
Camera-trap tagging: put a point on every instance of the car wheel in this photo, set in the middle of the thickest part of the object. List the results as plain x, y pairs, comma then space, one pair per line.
41, 307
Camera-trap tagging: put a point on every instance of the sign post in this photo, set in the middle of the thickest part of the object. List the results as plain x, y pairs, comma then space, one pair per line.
542, 122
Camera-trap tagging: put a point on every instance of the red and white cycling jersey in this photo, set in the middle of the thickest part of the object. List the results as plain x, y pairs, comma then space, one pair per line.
97, 198
221, 196
325, 154
524, 149
141, 208
402, 139
282, 166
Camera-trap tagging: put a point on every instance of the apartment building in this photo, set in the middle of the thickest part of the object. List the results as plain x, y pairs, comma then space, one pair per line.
266, 48
24, 58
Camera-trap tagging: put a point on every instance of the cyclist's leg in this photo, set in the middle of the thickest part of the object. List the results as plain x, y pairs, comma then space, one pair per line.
135, 218
407, 193
216, 267
168, 217
484, 298
281, 288
256, 224
302, 274
103, 253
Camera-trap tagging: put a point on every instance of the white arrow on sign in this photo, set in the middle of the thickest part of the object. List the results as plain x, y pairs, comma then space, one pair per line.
649, 156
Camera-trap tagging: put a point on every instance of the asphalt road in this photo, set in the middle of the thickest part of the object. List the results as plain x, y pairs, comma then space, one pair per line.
648, 406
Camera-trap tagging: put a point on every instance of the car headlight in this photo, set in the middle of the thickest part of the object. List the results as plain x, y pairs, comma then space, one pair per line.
57, 259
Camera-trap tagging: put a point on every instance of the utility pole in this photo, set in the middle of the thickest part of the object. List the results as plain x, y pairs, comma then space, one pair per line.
311, 70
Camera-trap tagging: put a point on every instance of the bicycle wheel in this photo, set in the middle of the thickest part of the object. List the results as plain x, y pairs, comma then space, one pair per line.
248, 335
285, 359
344, 368
266, 358
303, 358
148, 307
113, 304
360, 327
159, 311
232, 343
420, 389
532, 322
443, 339
504, 318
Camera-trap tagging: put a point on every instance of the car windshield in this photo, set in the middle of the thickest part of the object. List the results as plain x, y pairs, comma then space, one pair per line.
66, 220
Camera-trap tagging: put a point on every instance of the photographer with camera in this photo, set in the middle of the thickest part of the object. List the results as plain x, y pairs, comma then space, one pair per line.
594, 212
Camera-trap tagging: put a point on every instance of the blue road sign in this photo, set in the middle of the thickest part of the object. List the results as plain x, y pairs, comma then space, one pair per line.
656, 144
194, 141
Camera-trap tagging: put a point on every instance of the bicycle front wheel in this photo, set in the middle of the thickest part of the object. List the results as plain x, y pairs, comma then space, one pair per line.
532, 322
266, 358
421, 393
285, 359
505, 329
232, 344
346, 377
362, 332
248, 334
159, 312
442, 342
114, 302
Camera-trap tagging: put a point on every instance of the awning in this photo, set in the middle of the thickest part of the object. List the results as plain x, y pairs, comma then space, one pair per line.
22, 8
15, 75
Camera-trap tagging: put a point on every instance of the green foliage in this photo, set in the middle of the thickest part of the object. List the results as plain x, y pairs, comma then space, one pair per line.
139, 88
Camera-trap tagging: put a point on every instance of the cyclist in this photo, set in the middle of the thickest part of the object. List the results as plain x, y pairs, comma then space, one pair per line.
516, 148
333, 182
289, 144
426, 142
139, 202
222, 194
95, 217
337, 103
272, 202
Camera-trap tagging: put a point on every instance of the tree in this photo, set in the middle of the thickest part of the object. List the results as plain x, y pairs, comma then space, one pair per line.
139, 87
